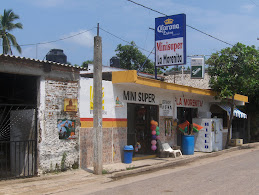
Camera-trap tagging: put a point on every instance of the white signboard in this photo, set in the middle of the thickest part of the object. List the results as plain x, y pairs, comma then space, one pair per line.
166, 108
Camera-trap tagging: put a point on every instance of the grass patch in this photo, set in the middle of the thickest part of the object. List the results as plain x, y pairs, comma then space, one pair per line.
104, 171
130, 167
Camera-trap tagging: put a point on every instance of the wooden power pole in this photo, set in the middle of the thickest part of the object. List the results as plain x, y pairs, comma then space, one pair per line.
97, 100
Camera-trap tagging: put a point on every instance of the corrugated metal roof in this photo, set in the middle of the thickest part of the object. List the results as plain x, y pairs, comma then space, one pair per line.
42, 61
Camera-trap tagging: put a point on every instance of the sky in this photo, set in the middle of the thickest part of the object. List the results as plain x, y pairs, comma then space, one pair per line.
122, 21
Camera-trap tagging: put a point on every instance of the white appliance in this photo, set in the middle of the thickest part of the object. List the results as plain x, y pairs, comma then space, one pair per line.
209, 138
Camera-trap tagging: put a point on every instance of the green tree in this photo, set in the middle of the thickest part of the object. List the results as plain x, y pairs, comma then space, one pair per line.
132, 59
234, 70
6, 25
85, 63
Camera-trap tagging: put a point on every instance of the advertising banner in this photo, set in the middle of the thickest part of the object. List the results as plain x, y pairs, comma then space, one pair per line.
197, 68
170, 40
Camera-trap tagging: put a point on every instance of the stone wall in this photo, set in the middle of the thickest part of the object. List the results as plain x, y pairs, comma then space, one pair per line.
114, 140
186, 80
50, 147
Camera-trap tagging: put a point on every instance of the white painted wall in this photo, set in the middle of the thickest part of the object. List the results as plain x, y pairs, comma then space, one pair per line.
112, 91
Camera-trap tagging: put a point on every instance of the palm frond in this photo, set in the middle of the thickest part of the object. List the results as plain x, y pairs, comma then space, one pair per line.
7, 25
14, 42
6, 45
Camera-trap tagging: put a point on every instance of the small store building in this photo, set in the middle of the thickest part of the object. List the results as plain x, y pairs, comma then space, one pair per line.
130, 102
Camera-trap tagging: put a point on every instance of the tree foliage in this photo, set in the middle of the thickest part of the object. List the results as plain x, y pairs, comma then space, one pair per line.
85, 63
132, 59
235, 70
6, 25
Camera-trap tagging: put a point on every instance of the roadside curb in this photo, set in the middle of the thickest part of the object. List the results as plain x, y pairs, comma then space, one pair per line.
179, 161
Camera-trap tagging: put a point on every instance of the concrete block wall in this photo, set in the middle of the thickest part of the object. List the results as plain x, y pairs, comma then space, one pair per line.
50, 147
186, 80
114, 140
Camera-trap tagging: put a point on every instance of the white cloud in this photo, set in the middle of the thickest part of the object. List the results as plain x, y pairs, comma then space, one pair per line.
82, 38
248, 8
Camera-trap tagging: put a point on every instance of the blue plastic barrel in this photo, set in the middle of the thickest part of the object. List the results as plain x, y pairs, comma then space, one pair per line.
128, 153
188, 144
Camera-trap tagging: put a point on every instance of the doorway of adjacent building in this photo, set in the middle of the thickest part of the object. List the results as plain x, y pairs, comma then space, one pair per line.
18, 117
184, 114
139, 133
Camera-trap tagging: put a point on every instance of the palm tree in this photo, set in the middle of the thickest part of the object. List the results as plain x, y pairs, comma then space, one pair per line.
7, 25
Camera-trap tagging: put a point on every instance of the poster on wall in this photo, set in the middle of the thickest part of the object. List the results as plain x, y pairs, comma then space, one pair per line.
168, 126
166, 108
118, 103
70, 105
66, 129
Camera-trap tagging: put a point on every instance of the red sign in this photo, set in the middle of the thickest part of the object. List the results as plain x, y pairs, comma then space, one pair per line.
188, 102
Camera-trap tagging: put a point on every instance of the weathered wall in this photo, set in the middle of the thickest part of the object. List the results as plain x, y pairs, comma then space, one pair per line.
186, 80
50, 147
114, 139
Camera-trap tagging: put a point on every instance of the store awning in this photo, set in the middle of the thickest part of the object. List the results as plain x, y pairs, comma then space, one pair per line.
131, 77
237, 113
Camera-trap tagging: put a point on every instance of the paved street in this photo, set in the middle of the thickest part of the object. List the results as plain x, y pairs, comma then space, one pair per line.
235, 172
238, 174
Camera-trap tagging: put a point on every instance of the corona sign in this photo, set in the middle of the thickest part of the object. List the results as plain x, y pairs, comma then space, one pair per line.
170, 40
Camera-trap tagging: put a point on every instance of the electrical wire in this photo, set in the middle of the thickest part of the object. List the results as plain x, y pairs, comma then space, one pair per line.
124, 40
186, 25
145, 61
57, 39
254, 3
189, 56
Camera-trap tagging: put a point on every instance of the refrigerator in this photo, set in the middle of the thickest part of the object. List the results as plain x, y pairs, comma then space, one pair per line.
209, 138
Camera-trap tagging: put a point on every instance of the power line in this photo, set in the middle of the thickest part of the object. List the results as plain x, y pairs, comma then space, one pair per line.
186, 25
189, 56
41, 43
253, 2
124, 40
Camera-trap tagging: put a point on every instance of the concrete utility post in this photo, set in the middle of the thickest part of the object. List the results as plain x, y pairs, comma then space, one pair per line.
97, 118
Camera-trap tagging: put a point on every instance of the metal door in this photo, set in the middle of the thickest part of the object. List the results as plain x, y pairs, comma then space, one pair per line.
18, 146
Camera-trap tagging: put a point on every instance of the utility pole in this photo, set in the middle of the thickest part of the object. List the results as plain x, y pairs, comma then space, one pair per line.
155, 53
97, 100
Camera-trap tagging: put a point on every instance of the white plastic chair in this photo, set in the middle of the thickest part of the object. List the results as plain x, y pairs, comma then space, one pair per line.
167, 148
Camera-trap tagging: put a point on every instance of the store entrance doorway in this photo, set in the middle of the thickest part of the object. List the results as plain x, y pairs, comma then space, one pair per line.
184, 114
139, 133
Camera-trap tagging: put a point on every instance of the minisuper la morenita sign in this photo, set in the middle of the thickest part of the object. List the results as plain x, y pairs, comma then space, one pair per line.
170, 40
